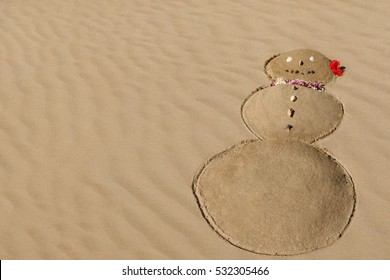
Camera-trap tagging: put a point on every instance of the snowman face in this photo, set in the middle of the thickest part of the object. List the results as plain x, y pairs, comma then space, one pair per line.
303, 64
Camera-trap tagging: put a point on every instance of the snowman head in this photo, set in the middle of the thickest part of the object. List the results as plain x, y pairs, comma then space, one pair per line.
303, 64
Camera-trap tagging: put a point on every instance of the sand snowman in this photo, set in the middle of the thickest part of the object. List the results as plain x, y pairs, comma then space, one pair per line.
281, 194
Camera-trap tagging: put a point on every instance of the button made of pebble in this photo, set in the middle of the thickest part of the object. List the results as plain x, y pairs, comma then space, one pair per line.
295, 87
290, 112
293, 98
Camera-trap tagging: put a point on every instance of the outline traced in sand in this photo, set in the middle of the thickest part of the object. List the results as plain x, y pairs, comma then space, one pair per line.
280, 195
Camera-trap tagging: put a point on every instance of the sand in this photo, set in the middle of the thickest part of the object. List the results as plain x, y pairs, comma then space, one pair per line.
316, 114
108, 109
300, 64
276, 197
280, 195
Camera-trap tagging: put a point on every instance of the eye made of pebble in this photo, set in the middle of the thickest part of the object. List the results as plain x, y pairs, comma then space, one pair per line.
289, 59
311, 58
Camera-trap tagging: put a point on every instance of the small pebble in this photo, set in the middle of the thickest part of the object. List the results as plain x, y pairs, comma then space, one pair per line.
289, 126
293, 98
295, 87
290, 112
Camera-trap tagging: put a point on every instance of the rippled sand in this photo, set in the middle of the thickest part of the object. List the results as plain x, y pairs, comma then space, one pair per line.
109, 108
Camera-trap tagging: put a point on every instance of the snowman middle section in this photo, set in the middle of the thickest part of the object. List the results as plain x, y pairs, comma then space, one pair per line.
290, 111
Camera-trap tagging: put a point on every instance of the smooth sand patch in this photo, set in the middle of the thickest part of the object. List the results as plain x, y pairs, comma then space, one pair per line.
304, 64
276, 197
316, 114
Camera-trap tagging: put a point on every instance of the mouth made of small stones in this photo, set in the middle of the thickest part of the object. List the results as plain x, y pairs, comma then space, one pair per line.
302, 73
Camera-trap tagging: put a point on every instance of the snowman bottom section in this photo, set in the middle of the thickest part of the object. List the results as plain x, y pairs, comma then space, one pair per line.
276, 197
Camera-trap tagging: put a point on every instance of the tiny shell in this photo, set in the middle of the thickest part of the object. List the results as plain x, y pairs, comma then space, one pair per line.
290, 112
293, 98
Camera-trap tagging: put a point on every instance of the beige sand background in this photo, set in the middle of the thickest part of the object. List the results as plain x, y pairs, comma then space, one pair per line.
109, 108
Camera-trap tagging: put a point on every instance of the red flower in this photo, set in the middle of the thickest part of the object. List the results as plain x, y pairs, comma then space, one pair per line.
336, 68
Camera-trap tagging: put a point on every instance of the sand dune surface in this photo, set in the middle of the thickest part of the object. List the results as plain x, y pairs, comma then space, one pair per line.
108, 108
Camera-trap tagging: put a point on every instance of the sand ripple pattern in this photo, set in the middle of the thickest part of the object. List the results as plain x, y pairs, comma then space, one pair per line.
108, 107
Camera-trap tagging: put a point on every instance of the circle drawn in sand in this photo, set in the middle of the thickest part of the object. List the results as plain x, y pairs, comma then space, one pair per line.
316, 114
276, 197
304, 64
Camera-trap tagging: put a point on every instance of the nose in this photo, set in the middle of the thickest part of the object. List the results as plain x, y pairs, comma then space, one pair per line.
300, 63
